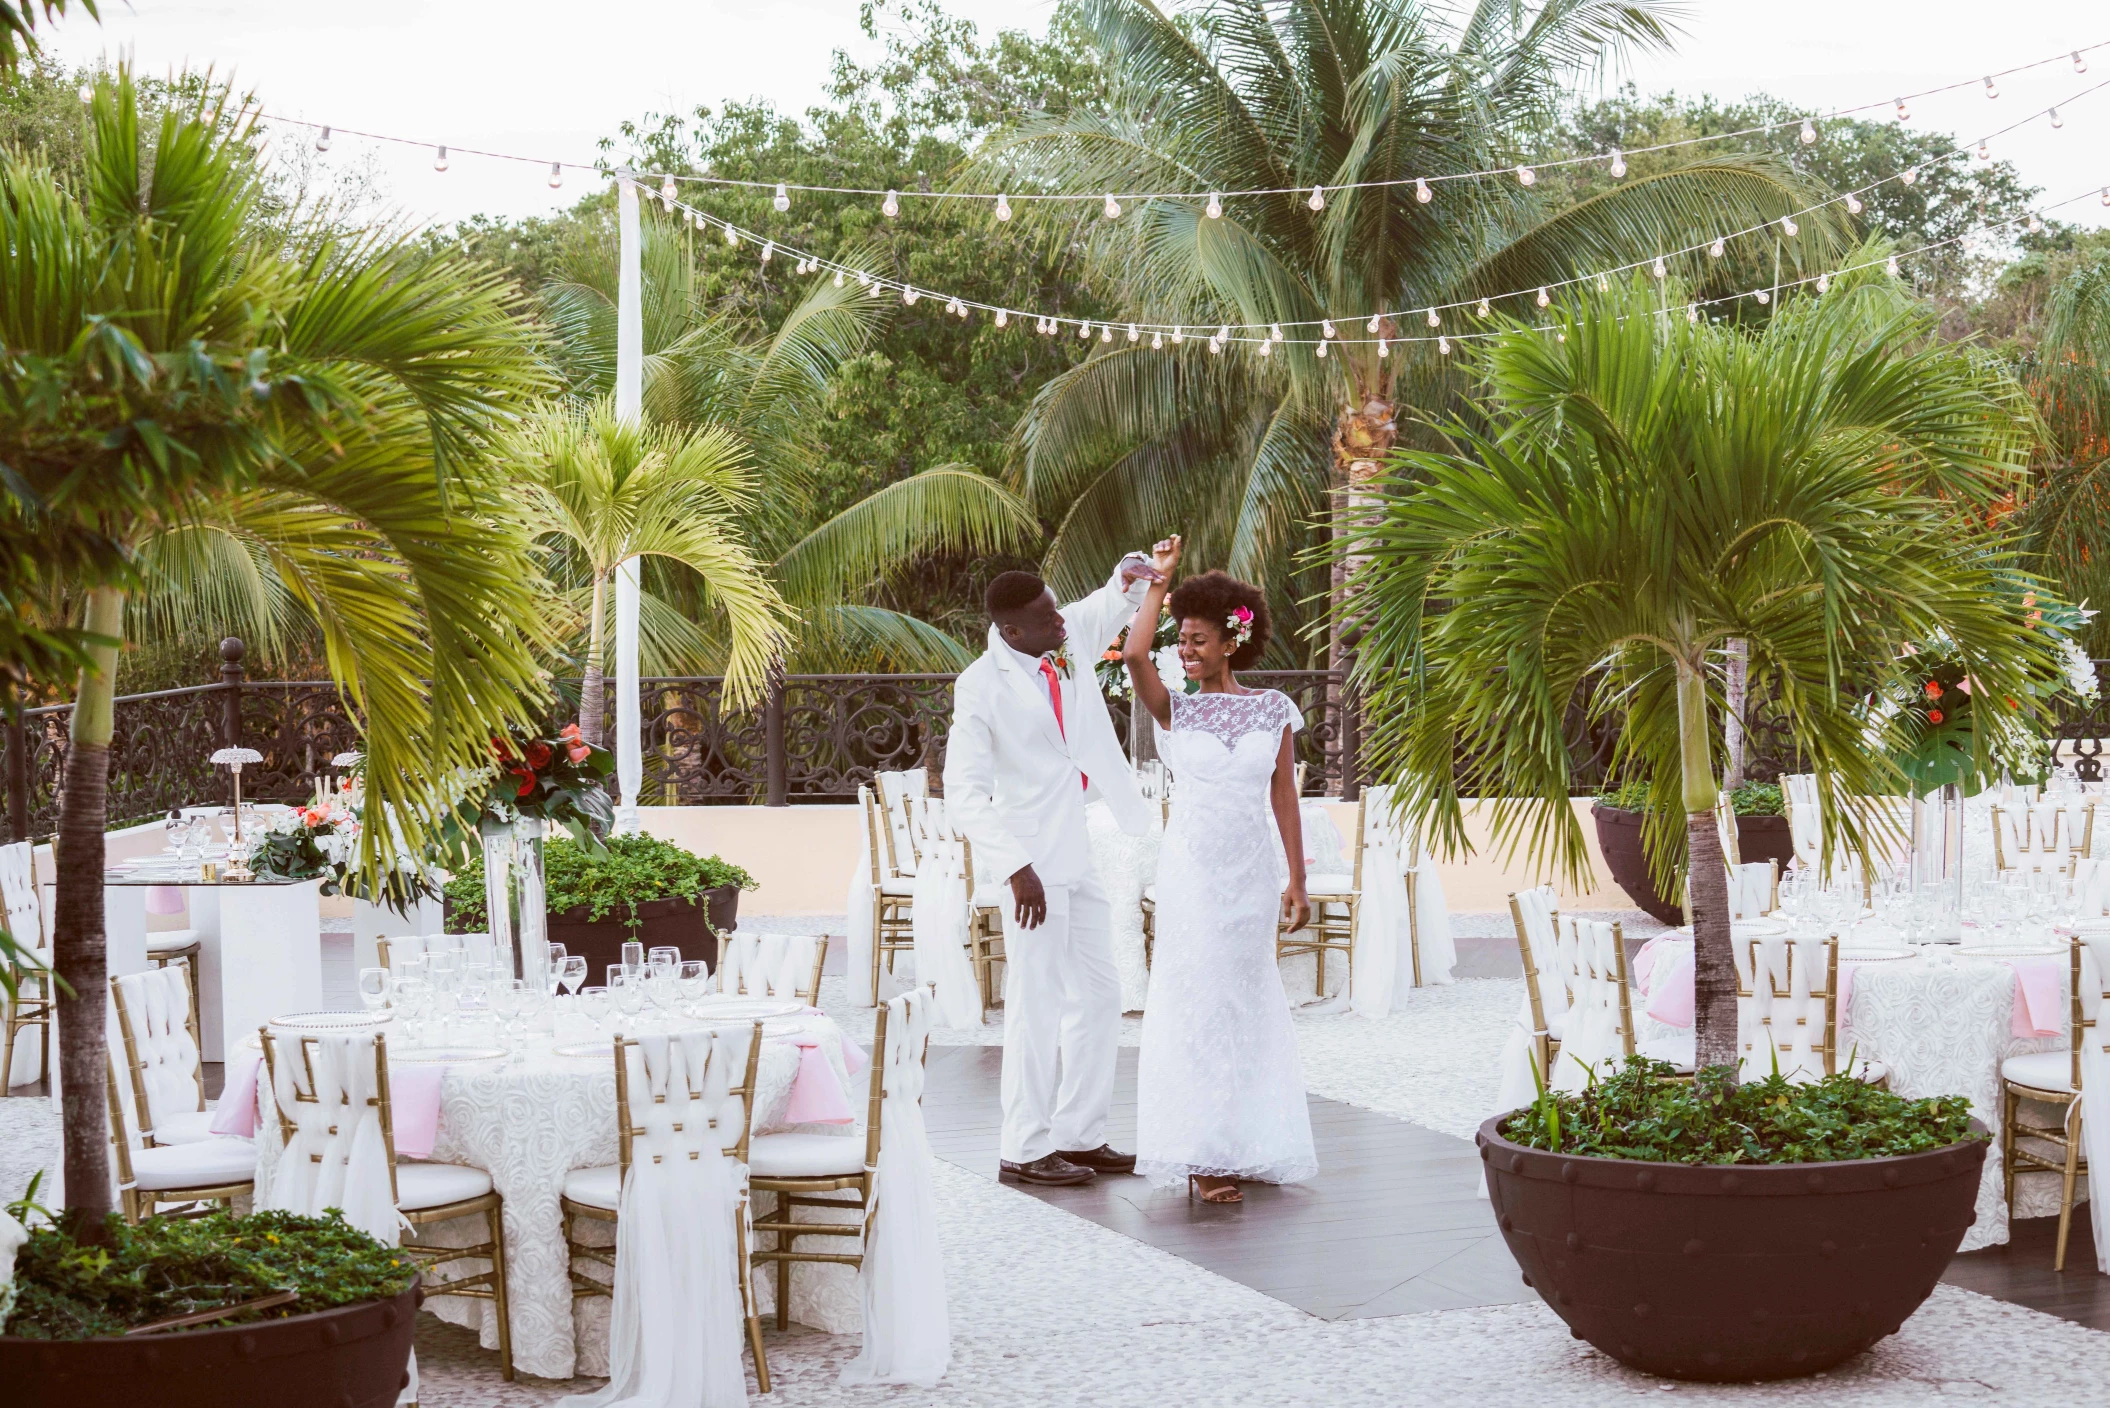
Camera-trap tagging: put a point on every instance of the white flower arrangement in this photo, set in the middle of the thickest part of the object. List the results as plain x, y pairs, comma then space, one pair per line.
2080, 671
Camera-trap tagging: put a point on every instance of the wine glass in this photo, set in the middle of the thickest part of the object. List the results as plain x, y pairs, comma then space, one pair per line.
373, 988
695, 980
633, 955
593, 1002
665, 957
444, 970
572, 972
627, 989
509, 999
409, 994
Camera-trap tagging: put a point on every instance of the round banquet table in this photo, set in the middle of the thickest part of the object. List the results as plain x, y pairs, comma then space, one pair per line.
532, 1121
1941, 1022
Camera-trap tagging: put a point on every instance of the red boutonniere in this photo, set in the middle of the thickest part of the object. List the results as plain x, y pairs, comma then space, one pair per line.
1060, 655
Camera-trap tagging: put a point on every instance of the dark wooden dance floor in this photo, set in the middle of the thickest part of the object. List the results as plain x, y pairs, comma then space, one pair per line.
1392, 1224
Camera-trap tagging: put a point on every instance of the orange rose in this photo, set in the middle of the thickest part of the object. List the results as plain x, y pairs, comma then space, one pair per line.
1934, 716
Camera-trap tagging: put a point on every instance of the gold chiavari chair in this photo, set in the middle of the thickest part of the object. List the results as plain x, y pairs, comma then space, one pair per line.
1336, 906
1537, 921
162, 1058
2030, 838
771, 965
425, 1193
812, 1170
195, 1178
893, 930
1809, 985
2051, 1078
33, 1000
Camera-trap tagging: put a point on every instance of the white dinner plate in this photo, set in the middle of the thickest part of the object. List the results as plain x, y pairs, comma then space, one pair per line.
445, 1055
2030, 950
1883, 953
332, 1021
722, 1009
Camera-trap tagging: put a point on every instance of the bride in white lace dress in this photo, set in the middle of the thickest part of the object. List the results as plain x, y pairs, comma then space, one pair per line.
1220, 1092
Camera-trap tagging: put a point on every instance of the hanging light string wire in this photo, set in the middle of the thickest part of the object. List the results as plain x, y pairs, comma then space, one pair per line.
912, 293
1615, 157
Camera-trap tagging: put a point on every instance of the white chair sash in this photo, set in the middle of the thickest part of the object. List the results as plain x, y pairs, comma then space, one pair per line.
907, 1330
1750, 889
940, 917
1590, 1042
674, 1329
1782, 1020
895, 788
767, 965
337, 1156
157, 1005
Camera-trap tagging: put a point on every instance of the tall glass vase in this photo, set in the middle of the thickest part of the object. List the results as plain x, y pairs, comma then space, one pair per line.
531, 903
498, 886
1937, 860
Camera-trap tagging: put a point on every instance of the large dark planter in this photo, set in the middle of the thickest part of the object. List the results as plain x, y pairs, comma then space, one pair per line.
1765, 838
1619, 837
354, 1356
681, 923
1762, 1271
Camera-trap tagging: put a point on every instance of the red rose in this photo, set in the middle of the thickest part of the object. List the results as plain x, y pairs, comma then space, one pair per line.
1934, 716
527, 784
499, 748
1934, 689
538, 755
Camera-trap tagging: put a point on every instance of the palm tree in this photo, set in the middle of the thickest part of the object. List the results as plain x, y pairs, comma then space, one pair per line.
2067, 517
1229, 95
706, 367
175, 364
606, 491
1645, 491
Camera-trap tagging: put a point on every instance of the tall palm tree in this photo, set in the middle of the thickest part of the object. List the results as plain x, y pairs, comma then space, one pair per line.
1233, 95
1645, 491
606, 491
2067, 515
174, 362
705, 367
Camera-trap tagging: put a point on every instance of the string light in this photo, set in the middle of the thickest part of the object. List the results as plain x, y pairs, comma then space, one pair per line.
1215, 209
1003, 208
1910, 175
1904, 113
959, 310
1443, 346
1216, 349
1422, 192
908, 294
1890, 266
1434, 320
2106, 195
1602, 285
891, 207
767, 250
1326, 328
1763, 296
1132, 334
322, 143
1274, 332
1003, 318
439, 162
1618, 165
2080, 65
1384, 349
1692, 312
1318, 199
1371, 326
838, 278
1267, 349
1809, 132
1482, 309
864, 280
2035, 224
1715, 250
783, 199
667, 193
1112, 207
1320, 350
556, 174
1853, 204
1084, 331
1657, 268
1179, 335
1526, 176
1543, 299
87, 94
1992, 89
1223, 334
1824, 283
2056, 120
1157, 342
1106, 333
1561, 336
1985, 152
732, 236
1789, 227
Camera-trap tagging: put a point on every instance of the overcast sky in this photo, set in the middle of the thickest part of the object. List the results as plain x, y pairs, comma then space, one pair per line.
547, 79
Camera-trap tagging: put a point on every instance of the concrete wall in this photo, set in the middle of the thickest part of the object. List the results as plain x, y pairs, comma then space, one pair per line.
802, 856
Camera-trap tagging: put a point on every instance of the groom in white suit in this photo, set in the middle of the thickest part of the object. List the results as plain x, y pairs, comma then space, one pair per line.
1031, 743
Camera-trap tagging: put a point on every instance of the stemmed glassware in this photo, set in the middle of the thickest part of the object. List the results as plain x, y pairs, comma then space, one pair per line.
668, 957
411, 996
627, 988
509, 999
593, 1002
556, 963
373, 988
633, 955
695, 981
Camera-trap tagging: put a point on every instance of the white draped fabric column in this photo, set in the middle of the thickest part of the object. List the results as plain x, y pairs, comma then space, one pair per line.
629, 405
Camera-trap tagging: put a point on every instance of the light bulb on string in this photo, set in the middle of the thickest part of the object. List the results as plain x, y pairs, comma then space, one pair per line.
1985, 152
439, 161
1371, 326
1890, 266
1274, 332
891, 206
1084, 332
1267, 348
1763, 296
1435, 320
732, 236
1320, 350
1483, 309
1526, 176
1003, 318
1384, 348
1179, 335
1003, 207
1443, 346
1618, 164
1824, 283
87, 95
2056, 120
1602, 285
1809, 132
1904, 113
322, 143
1215, 208
1318, 199
959, 309
1223, 334
1657, 268
838, 278
1216, 349
1561, 336
767, 250
1788, 226
1910, 176
1714, 251
1112, 207
1326, 328
1132, 333
2080, 65
556, 174
1853, 204
1692, 312
2106, 195
667, 192
1992, 89
1543, 299
1422, 192
1157, 342
2034, 223
909, 294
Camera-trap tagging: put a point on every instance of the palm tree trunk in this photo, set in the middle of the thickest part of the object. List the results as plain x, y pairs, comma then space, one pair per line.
79, 952
590, 690
1363, 436
1738, 669
1706, 881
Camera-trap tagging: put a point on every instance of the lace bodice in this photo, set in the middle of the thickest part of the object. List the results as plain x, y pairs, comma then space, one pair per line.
1230, 717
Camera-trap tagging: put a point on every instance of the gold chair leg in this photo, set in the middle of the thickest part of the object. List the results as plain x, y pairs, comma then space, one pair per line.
495, 1217
742, 1238
2007, 1148
7, 1061
784, 1280
2073, 1155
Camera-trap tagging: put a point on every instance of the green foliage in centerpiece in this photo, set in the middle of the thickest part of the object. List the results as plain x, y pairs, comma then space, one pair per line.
614, 878
1637, 1113
1935, 709
166, 1267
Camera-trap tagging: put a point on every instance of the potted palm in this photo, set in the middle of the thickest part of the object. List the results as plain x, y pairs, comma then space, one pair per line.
1631, 495
1620, 814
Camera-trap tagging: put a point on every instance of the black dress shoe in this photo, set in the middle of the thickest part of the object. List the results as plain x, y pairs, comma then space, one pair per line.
1104, 1159
1049, 1170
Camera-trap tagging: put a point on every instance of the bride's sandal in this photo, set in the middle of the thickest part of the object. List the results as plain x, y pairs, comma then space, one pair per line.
1223, 1190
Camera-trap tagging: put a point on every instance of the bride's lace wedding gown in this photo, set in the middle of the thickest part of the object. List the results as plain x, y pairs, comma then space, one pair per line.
1219, 1087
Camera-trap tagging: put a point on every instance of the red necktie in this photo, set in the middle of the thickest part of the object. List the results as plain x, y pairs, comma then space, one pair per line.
1047, 668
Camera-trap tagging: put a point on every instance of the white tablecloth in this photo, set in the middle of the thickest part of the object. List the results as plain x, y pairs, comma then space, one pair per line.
529, 1124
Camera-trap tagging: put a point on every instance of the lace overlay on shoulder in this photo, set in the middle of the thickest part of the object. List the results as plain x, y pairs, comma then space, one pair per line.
1230, 717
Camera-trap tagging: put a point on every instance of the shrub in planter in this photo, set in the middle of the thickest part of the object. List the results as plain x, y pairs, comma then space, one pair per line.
1761, 834
283, 1300
634, 887
1706, 1230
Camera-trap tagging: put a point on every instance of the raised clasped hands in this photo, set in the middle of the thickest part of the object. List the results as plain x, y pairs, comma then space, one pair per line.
1164, 556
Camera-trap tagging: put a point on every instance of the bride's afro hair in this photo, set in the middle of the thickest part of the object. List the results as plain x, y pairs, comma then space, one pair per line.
1212, 597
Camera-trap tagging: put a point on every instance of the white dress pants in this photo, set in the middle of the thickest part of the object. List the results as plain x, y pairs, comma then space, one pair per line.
1062, 1024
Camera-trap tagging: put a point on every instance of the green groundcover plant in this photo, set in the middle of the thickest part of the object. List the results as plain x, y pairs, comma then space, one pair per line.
1748, 798
615, 879
167, 1267
1636, 1113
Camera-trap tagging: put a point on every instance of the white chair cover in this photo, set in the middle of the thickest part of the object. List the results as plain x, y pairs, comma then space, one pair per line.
768, 965
2034, 836
1432, 913
1767, 1023
940, 918
674, 1330
1805, 819
2094, 1104
1590, 1040
2091, 886
907, 1330
1381, 928
157, 1002
894, 788
21, 916
1517, 1084
337, 1157
1750, 889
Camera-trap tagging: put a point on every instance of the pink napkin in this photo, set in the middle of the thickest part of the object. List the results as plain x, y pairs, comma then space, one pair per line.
1645, 961
854, 1058
816, 1095
164, 899
1670, 998
2038, 984
414, 1103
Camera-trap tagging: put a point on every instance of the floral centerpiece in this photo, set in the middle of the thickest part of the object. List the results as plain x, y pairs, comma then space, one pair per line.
320, 839
555, 780
1165, 654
